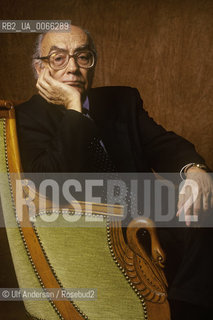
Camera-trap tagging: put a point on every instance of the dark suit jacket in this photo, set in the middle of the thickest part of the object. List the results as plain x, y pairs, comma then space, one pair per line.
53, 139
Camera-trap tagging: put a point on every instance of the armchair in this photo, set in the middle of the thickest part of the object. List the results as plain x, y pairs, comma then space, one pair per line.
130, 282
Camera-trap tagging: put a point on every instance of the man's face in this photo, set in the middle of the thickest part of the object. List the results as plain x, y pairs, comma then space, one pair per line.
72, 74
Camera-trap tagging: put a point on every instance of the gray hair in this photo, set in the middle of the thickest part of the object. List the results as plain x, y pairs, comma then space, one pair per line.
37, 50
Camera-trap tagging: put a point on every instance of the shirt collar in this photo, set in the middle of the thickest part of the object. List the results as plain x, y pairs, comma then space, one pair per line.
86, 104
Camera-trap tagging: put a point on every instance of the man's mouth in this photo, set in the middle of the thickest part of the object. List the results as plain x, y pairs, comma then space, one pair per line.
78, 84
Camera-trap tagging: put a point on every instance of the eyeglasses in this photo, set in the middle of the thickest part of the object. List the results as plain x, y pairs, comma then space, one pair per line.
60, 59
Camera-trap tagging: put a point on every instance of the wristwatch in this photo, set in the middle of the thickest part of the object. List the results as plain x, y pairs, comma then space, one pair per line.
190, 165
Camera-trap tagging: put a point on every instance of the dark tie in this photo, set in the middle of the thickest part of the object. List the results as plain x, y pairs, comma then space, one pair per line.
100, 158
102, 162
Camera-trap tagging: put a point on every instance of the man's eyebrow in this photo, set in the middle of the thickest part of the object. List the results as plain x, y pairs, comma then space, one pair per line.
83, 47
56, 48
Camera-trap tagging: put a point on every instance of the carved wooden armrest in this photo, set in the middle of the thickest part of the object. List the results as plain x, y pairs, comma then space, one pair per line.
147, 268
142, 269
157, 253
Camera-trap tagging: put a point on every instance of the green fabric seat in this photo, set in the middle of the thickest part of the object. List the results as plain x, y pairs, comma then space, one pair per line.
80, 257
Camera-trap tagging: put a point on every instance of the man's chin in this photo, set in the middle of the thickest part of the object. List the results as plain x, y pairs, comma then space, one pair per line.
81, 90
77, 87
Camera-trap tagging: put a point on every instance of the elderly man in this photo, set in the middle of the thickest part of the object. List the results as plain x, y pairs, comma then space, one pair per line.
61, 129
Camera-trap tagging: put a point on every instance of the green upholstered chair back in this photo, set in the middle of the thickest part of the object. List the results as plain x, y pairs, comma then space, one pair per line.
81, 256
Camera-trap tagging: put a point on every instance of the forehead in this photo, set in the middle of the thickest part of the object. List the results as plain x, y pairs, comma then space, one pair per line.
66, 40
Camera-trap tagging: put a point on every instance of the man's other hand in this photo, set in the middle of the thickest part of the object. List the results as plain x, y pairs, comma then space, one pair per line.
57, 92
196, 196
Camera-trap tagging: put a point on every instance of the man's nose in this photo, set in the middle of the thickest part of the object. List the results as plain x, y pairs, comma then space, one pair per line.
72, 65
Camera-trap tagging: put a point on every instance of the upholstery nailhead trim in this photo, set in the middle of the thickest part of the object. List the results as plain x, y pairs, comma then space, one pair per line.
124, 272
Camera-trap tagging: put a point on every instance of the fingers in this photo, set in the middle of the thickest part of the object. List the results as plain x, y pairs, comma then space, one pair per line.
43, 80
189, 206
44, 90
206, 201
48, 78
196, 201
185, 206
41, 83
45, 86
197, 207
181, 202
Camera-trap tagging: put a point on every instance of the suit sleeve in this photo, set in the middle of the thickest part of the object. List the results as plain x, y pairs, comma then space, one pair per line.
164, 150
50, 146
